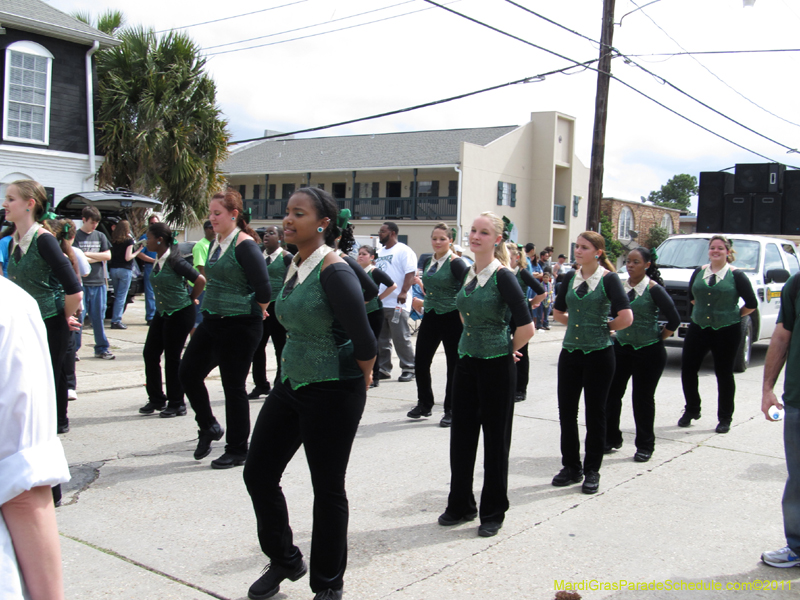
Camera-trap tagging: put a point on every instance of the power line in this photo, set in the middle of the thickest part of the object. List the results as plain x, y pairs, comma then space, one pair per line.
597, 43
532, 79
261, 37
323, 32
232, 17
661, 104
716, 52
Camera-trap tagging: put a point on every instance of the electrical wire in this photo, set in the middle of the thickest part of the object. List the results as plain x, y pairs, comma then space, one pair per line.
595, 42
232, 17
670, 54
532, 79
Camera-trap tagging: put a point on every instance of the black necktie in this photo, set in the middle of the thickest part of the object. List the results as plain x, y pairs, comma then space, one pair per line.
17, 253
632, 295
215, 256
712, 280
433, 268
156, 269
269, 260
582, 290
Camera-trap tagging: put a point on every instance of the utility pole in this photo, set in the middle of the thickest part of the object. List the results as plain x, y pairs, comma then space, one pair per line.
600, 115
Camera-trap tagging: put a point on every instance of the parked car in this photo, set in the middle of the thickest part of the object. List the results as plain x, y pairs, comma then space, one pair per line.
114, 205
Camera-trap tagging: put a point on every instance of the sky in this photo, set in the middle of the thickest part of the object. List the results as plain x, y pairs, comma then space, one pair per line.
419, 53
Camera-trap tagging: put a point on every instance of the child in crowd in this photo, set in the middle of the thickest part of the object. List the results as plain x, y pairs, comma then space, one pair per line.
542, 312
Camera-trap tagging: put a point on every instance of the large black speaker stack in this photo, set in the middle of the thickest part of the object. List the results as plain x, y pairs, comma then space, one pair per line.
758, 198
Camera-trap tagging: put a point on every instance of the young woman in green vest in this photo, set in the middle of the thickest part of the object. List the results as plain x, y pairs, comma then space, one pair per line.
526, 282
442, 276
639, 352
277, 259
714, 291
483, 390
41, 265
374, 306
586, 363
326, 367
234, 306
172, 321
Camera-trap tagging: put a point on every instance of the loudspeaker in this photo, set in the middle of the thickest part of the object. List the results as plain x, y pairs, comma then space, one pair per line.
762, 178
738, 213
767, 213
710, 200
791, 203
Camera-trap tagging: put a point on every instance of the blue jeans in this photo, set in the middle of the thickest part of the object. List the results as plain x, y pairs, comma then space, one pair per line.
121, 279
94, 304
791, 493
149, 295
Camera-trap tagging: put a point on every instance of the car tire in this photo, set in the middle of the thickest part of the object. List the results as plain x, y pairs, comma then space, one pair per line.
745, 346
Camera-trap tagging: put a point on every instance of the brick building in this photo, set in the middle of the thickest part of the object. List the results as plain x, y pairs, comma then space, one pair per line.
632, 220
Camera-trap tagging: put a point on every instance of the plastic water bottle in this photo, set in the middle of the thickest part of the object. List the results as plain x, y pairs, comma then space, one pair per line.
398, 312
776, 413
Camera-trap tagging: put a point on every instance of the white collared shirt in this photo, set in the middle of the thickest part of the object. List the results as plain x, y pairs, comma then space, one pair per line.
25, 242
720, 274
162, 259
274, 256
639, 288
222, 244
304, 270
484, 275
439, 262
592, 281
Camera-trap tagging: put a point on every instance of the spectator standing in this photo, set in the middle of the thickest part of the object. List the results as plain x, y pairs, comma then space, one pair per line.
147, 259
199, 257
96, 247
399, 262
374, 307
121, 270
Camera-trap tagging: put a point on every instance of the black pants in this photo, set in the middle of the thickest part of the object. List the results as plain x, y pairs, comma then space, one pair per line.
436, 329
324, 418
375, 319
272, 328
483, 399
228, 343
69, 360
57, 341
523, 364
590, 373
723, 344
645, 366
167, 335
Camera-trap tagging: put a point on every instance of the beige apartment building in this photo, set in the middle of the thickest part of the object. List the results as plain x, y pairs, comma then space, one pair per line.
528, 173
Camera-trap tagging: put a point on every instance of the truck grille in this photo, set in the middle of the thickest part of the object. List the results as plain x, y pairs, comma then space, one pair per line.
680, 296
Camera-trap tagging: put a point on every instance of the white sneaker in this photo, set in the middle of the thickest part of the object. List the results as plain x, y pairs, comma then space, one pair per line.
72, 395
785, 557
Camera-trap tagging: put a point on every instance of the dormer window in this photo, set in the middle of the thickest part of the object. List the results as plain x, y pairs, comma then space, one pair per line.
26, 102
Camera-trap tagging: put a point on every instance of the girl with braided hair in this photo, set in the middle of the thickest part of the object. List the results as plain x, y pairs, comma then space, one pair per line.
172, 321
326, 367
639, 352
483, 390
586, 363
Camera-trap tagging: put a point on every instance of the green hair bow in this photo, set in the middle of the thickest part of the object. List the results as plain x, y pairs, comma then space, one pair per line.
507, 227
343, 219
453, 233
248, 215
173, 238
49, 216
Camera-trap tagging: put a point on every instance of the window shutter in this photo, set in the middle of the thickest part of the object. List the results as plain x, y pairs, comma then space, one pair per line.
243, 190
499, 193
513, 194
434, 188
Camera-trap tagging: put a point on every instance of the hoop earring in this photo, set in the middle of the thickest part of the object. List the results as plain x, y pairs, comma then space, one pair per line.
320, 229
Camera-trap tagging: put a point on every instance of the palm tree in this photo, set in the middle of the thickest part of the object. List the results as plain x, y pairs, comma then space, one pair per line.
160, 128
108, 22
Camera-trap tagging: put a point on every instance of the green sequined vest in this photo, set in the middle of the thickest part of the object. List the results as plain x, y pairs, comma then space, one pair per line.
587, 329
375, 303
715, 306
169, 289
34, 275
486, 317
228, 292
644, 331
441, 288
277, 273
317, 348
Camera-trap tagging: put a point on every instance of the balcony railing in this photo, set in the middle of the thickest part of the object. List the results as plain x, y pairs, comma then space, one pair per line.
559, 213
433, 208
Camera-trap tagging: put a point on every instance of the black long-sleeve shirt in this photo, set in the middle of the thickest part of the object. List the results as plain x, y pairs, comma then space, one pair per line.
344, 295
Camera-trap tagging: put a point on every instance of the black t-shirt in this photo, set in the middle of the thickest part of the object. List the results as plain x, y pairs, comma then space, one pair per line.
118, 250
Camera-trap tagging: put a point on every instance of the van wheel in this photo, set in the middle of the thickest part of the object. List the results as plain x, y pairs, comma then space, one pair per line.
745, 346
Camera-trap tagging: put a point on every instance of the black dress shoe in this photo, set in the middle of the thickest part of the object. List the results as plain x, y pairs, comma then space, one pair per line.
642, 456
567, 476
151, 407
328, 595
406, 376
178, 410
609, 448
204, 439
448, 520
62, 428
228, 461
382, 375
489, 529
687, 417
259, 391
447, 420
418, 411
724, 427
374, 383
591, 483
269, 583
520, 397
118, 326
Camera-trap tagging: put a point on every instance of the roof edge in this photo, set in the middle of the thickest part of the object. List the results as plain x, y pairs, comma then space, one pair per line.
65, 33
347, 170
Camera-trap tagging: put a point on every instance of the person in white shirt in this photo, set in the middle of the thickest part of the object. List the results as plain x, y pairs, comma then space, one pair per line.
399, 262
31, 456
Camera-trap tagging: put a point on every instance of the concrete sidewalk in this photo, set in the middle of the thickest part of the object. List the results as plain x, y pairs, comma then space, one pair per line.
142, 519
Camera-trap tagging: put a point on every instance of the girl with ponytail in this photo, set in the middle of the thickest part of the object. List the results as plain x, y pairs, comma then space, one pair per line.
586, 363
234, 306
172, 321
639, 352
484, 385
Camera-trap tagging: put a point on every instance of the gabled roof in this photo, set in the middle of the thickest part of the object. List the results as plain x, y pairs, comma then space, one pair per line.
38, 17
384, 150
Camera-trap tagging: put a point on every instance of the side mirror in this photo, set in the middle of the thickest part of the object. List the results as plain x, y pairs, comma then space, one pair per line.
777, 276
